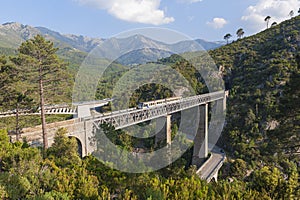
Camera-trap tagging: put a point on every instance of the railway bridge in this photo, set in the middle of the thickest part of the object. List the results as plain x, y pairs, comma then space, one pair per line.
83, 126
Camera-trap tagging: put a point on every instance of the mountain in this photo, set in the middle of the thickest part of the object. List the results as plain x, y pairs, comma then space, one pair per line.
210, 45
138, 49
13, 34
81, 43
262, 73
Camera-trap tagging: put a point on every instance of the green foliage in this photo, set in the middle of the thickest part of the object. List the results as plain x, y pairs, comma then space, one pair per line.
14, 91
38, 61
26, 175
64, 150
227, 37
238, 169
269, 180
35, 75
109, 79
53, 195
286, 136
261, 72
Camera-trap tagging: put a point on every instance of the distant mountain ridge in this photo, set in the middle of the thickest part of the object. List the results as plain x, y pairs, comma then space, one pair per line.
81, 43
13, 34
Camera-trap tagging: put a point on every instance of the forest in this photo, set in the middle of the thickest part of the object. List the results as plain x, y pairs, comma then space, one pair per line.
261, 136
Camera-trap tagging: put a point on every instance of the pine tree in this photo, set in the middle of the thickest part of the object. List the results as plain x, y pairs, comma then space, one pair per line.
44, 70
14, 92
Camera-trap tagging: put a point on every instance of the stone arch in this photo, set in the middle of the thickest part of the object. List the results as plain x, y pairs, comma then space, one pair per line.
79, 145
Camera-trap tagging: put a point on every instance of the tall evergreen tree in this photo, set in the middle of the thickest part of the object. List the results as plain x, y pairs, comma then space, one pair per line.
44, 70
64, 149
291, 14
267, 19
14, 92
227, 37
240, 32
273, 24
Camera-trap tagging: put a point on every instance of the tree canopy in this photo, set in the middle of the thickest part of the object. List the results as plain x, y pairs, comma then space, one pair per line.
43, 70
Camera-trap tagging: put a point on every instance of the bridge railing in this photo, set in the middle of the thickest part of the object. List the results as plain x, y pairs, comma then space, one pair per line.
123, 118
52, 109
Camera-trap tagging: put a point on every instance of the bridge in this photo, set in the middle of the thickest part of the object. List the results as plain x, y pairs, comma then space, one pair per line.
83, 127
49, 110
209, 170
79, 109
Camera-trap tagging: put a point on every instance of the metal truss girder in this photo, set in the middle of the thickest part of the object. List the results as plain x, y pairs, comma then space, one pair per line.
124, 118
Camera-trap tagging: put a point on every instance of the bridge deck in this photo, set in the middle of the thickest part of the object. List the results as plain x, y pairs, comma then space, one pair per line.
124, 118
211, 167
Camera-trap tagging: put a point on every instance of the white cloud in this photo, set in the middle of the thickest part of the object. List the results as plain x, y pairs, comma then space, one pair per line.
278, 10
141, 11
217, 23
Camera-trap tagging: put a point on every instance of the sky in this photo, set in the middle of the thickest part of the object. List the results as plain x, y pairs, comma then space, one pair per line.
200, 19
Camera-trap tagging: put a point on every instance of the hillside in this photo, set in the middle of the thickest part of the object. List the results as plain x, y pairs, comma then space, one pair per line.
262, 74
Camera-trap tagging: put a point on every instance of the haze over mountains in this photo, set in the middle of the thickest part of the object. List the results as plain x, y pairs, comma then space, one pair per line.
13, 34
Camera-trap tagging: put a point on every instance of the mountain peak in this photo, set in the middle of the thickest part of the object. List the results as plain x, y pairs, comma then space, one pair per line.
12, 34
13, 26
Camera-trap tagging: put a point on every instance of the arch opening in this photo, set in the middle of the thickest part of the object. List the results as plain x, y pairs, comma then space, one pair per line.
79, 145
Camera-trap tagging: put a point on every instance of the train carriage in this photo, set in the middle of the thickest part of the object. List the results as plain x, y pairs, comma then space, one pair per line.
148, 104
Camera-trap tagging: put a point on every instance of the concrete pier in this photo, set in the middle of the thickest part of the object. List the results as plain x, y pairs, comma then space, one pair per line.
201, 140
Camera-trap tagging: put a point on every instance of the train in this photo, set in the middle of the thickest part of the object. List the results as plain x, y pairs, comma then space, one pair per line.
148, 104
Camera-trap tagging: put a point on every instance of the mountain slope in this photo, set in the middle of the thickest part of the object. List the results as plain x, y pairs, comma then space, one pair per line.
13, 34
258, 72
81, 43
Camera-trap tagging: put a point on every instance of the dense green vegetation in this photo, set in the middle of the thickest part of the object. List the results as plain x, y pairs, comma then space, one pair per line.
262, 74
261, 137
62, 174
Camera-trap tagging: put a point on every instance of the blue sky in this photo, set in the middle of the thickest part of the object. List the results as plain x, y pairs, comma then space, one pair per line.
205, 19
